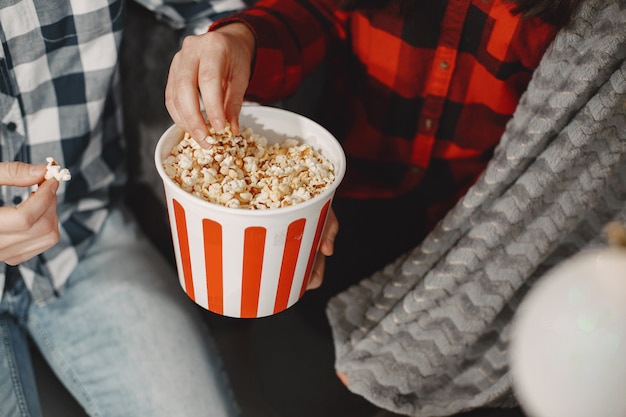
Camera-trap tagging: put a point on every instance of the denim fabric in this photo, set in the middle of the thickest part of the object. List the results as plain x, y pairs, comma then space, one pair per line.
18, 391
123, 337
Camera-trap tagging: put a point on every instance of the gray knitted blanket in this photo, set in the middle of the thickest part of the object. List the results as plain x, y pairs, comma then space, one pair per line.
428, 335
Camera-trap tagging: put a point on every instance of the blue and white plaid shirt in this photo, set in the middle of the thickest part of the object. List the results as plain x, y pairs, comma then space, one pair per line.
60, 97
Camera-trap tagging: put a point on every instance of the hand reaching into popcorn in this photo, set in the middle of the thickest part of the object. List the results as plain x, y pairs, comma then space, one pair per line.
218, 65
31, 227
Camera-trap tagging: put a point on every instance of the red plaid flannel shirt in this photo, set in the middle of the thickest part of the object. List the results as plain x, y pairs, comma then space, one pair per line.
418, 99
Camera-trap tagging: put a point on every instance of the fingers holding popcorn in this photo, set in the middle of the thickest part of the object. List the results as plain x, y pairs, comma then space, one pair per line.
32, 226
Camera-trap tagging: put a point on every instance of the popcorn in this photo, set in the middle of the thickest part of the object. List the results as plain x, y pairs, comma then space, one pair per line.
246, 172
54, 170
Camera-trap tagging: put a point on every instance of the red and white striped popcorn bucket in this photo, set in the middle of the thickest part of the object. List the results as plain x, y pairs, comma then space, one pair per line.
246, 263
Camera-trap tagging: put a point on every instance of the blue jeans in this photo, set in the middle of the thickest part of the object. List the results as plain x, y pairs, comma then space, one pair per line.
123, 338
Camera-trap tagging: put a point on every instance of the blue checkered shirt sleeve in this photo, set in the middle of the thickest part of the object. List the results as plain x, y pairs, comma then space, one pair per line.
60, 97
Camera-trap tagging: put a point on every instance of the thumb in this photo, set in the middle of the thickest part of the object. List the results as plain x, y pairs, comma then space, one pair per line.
21, 174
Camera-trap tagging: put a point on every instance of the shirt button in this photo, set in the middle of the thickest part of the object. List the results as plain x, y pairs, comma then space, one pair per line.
11, 126
17, 200
444, 65
428, 123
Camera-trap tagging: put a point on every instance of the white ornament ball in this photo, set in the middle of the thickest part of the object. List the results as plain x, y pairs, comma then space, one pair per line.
568, 346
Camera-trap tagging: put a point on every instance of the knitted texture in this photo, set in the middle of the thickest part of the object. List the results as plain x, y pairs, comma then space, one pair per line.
428, 334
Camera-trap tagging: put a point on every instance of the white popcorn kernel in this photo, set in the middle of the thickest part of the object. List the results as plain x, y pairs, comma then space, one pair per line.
284, 189
54, 170
245, 196
185, 162
225, 197
233, 203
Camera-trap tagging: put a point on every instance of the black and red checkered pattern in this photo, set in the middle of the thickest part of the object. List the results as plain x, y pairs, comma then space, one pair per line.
427, 93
